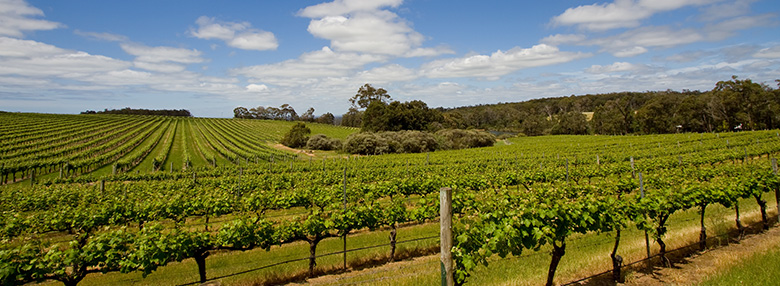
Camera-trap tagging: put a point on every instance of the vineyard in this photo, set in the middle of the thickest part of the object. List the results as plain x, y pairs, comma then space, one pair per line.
111, 199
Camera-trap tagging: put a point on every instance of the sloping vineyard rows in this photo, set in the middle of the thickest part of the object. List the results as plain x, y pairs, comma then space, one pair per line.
508, 199
39, 144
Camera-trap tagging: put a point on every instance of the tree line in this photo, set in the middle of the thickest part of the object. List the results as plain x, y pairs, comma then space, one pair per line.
283, 112
732, 105
141, 111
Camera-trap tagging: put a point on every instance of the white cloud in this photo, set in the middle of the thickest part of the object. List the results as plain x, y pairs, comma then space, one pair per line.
309, 67
686, 57
728, 28
102, 36
768, 53
360, 26
619, 14
341, 7
386, 74
726, 10
256, 88
563, 39
237, 35
615, 67
162, 59
16, 18
36, 59
499, 63
629, 52
162, 54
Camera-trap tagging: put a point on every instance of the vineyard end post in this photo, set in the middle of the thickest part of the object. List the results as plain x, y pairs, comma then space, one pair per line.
642, 194
344, 198
777, 192
445, 214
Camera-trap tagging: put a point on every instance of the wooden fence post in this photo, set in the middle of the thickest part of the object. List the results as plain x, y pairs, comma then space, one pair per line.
345, 210
445, 214
777, 192
642, 195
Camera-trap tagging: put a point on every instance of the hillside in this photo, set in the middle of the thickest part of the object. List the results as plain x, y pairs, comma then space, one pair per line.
71, 145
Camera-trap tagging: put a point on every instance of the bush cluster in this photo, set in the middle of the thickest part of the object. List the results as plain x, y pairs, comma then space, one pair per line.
367, 143
322, 142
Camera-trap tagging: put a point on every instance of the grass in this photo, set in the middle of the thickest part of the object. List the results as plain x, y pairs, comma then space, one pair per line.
585, 254
758, 269
229, 263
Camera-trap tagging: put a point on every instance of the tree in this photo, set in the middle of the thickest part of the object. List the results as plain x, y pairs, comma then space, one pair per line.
326, 118
659, 115
308, 116
241, 112
287, 112
368, 94
745, 102
297, 136
534, 125
397, 116
614, 117
353, 118
572, 122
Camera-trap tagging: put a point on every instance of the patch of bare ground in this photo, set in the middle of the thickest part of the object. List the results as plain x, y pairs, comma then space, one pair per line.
299, 151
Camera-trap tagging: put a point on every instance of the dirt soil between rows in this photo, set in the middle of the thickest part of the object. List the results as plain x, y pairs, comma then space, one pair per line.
698, 267
691, 267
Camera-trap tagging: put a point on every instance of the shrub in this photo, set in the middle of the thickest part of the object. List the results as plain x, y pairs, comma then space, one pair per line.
460, 139
366, 144
322, 142
297, 136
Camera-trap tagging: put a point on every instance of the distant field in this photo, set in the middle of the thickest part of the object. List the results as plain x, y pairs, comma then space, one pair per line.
109, 144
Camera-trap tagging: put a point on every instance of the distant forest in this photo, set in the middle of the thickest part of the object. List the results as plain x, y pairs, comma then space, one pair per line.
731, 106
132, 111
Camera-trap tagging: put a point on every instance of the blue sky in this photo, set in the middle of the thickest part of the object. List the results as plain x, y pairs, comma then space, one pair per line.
210, 57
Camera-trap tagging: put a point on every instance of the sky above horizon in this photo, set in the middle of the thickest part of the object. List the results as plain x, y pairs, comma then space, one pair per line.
210, 57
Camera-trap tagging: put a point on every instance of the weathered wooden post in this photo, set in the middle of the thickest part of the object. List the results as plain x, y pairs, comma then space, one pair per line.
777, 192
344, 198
445, 221
642, 195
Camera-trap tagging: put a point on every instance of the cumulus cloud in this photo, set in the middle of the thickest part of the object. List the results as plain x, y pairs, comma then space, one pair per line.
387, 74
18, 16
308, 67
563, 39
341, 7
36, 59
363, 27
619, 14
615, 67
239, 35
499, 63
162, 59
256, 88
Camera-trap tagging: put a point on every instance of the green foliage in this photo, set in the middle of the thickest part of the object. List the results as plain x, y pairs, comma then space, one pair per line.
397, 116
366, 144
462, 139
571, 122
322, 142
367, 95
297, 136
